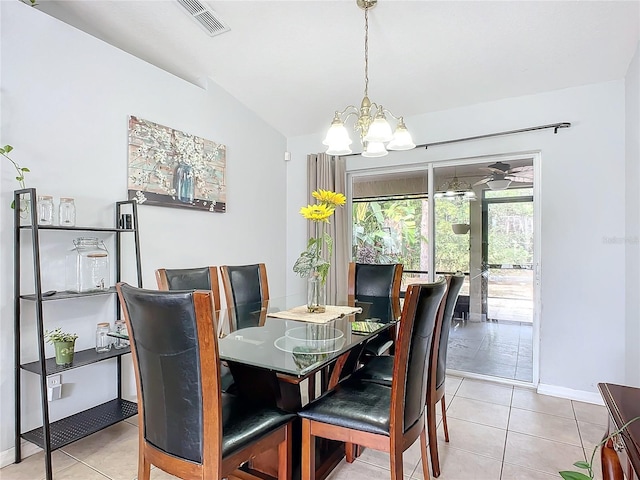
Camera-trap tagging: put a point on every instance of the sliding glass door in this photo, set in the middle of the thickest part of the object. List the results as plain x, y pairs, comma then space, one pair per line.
476, 218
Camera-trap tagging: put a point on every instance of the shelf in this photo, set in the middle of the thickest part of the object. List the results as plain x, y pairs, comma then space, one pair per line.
83, 424
77, 229
65, 294
67, 430
80, 359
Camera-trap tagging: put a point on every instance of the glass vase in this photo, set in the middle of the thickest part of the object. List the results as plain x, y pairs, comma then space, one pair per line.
184, 183
24, 208
316, 294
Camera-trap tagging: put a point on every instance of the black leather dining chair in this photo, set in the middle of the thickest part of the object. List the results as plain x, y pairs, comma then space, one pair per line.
200, 278
246, 291
382, 417
376, 288
380, 369
187, 426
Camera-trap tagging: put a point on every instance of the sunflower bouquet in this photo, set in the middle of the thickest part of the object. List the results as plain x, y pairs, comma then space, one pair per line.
313, 261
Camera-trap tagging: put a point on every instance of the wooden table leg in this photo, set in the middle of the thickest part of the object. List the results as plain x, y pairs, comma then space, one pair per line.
611, 468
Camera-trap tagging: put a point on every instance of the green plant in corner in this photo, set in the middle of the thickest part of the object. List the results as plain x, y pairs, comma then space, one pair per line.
20, 171
58, 335
588, 466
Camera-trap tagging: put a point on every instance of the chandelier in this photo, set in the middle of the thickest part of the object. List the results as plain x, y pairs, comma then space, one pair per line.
455, 188
371, 118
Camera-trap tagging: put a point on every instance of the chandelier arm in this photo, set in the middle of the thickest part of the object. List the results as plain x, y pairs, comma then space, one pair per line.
389, 112
347, 112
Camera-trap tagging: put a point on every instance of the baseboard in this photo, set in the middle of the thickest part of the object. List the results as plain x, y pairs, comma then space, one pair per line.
551, 390
489, 378
571, 394
27, 449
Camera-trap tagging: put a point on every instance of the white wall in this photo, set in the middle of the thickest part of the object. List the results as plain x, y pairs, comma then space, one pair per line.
632, 234
583, 177
65, 101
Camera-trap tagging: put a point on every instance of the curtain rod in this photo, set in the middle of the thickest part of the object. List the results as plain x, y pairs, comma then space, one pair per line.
555, 126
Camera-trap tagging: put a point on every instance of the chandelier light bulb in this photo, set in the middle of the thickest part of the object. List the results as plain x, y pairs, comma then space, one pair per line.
379, 130
338, 150
401, 138
337, 136
375, 149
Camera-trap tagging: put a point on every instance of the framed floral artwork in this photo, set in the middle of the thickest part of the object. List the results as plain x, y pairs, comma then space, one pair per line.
171, 168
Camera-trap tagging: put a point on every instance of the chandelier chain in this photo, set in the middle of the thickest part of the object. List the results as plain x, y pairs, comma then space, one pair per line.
366, 50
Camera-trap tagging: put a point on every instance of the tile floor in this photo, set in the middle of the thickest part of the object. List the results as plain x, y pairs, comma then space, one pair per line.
497, 432
498, 349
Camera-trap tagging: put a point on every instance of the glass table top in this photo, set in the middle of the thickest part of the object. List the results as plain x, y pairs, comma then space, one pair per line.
288, 346
292, 347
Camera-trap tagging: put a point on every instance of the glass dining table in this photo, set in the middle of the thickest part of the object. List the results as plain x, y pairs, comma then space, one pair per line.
291, 357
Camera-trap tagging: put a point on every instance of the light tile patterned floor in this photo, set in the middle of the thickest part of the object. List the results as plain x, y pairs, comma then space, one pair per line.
497, 432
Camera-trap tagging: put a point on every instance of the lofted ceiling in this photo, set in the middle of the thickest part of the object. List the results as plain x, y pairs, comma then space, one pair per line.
295, 62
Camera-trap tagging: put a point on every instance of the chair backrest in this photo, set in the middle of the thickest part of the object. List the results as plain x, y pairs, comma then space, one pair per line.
413, 347
246, 291
449, 303
376, 287
176, 364
202, 278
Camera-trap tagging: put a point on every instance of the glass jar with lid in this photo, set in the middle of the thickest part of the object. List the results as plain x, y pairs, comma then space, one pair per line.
87, 266
67, 212
45, 210
103, 341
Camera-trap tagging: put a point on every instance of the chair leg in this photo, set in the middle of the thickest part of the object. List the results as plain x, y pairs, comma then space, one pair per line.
144, 468
433, 439
396, 464
423, 454
284, 455
444, 419
308, 451
349, 450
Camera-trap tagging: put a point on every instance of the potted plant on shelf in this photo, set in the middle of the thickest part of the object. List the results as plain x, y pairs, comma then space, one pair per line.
20, 171
64, 344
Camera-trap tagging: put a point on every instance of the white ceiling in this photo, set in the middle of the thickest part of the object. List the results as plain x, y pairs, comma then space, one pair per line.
295, 62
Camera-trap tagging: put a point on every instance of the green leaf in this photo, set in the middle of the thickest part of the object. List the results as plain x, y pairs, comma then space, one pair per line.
25, 169
582, 464
20, 179
13, 204
7, 149
569, 475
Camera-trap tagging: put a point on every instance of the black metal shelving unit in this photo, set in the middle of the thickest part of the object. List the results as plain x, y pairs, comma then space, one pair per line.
54, 435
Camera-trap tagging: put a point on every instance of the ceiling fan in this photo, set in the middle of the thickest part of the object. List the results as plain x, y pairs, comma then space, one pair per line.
501, 175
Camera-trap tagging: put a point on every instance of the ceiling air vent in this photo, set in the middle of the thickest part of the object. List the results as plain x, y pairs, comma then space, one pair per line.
204, 16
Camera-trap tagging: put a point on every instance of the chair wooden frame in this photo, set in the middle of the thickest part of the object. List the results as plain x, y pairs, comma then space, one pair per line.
213, 465
398, 441
229, 298
435, 395
163, 284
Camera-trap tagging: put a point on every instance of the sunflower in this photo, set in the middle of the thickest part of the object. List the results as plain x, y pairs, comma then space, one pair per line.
317, 213
330, 198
